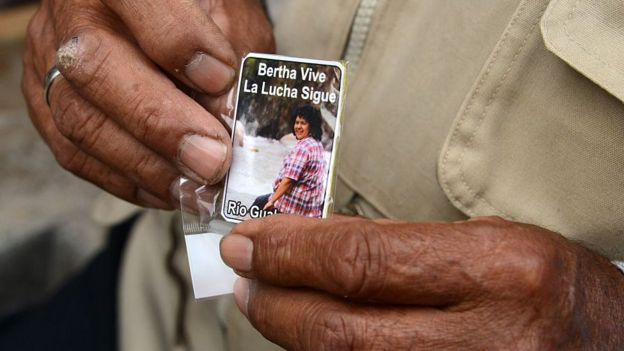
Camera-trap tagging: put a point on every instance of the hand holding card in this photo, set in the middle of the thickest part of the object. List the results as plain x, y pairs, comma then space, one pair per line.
288, 112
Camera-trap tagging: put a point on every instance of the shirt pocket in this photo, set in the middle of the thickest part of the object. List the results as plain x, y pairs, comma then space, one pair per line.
540, 136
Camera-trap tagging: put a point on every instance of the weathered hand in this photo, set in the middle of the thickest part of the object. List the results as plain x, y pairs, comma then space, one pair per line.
119, 116
484, 284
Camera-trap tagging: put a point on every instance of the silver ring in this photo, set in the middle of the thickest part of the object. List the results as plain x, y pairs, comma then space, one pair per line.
53, 73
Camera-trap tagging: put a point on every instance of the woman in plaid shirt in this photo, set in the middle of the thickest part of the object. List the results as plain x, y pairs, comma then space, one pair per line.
300, 186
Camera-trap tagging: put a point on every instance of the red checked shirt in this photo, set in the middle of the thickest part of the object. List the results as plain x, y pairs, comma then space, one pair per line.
305, 165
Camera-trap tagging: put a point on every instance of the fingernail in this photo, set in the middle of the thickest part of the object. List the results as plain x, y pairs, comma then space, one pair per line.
236, 251
209, 74
204, 156
241, 294
151, 200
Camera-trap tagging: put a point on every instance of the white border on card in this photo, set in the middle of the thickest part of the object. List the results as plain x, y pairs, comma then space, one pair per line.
329, 190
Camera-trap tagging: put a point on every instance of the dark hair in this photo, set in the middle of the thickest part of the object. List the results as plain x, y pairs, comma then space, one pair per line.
312, 116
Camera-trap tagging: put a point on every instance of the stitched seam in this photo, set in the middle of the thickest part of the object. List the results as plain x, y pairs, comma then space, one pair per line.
473, 98
481, 118
573, 40
568, 35
479, 121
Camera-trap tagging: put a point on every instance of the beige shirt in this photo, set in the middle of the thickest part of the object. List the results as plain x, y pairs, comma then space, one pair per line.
457, 109
509, 108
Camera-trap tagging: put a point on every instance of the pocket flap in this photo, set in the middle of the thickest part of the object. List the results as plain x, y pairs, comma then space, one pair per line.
589, 36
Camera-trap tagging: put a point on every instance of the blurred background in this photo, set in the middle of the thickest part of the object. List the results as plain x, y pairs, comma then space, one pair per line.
46, 232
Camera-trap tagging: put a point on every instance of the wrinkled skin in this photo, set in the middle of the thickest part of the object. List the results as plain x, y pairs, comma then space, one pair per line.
121, 116
484, 284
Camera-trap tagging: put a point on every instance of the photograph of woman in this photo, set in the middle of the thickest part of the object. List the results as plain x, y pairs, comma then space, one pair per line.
283, 138
300, 185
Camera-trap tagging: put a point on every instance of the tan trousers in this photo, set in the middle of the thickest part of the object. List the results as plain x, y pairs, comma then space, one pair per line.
157, 307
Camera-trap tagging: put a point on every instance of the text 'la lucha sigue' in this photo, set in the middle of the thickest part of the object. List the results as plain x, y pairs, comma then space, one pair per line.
284, 90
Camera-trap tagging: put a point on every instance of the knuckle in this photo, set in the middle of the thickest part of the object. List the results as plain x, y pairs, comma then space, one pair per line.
147, 117
530, 271
62, 113
72, 160
176, 36
168, 43
79, 122
82, 60
144, 165
267, 261
525, 269
362, 259
327, 330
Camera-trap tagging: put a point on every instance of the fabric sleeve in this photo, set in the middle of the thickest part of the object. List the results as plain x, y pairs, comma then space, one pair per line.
295, 163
